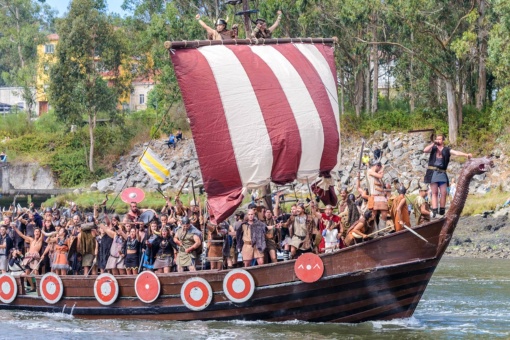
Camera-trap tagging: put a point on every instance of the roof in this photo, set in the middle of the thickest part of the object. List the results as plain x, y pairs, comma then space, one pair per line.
53, 36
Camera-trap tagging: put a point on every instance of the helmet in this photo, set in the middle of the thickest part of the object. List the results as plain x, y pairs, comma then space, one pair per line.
260, 20
402, 190
221, 22
48, 210
185, 220
90, 218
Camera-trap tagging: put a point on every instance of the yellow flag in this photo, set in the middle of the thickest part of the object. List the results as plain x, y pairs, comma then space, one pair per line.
153, 166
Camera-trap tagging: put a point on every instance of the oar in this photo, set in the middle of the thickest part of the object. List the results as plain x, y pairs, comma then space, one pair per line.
414, 232
380, 231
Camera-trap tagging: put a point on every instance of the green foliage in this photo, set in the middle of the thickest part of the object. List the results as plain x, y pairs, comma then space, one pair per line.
15, 125
49, 123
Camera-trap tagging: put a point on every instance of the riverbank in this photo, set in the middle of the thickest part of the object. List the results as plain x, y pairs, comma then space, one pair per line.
482, 236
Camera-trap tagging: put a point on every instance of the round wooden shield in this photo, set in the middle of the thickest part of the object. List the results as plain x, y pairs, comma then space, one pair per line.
238, 285
309, 267
106, 289
196, 293
8, 288
132, 194
51, 288
147, 286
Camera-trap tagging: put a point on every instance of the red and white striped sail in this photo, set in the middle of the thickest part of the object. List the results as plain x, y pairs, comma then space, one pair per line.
259, 114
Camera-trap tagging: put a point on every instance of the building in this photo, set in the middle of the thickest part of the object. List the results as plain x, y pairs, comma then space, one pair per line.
135, 101
46, 57
12, 98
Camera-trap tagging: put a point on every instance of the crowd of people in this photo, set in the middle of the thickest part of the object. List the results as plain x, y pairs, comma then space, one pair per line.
177, 238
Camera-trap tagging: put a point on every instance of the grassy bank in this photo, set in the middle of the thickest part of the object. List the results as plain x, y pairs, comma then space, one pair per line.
475, 204
49, 142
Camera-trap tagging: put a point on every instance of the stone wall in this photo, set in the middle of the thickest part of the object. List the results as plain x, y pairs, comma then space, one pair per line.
402, 155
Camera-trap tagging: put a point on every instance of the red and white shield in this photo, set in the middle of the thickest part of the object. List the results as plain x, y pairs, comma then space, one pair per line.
51, 288
196, 293
309, 267
238, 285
132, 194
106, 289
147, 286
8, 288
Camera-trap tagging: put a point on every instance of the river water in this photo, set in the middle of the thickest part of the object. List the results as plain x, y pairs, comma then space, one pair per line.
466, 298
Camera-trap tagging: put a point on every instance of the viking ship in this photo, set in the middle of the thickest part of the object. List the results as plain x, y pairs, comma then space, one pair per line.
262, 112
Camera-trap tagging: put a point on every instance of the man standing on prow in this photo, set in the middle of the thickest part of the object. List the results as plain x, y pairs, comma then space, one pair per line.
221, 32
379, 204
261, 31
436, 172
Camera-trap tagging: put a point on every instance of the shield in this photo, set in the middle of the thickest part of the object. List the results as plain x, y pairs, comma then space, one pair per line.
132, 194
238, 285
147, 287
8, 288
196, 293
51, 288
146, 217
309, 268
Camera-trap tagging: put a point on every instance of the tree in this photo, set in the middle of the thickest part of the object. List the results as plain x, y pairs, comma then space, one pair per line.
22, 28
92, 69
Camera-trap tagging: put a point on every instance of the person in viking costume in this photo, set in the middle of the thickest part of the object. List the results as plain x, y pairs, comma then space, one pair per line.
361, 229
302, 228
399, 212
261, 31
328, 222
5, 248
251, 239
436, 172
31, 260
87, 244
188, 239
221, 32
421, 207
61, 244
378, 201
272, 236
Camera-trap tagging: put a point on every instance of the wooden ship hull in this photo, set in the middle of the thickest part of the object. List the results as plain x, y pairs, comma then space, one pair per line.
380, 279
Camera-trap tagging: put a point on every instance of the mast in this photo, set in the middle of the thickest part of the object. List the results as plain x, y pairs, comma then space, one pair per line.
246, 15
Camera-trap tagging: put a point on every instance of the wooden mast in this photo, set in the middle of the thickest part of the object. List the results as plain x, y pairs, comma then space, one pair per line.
246, 15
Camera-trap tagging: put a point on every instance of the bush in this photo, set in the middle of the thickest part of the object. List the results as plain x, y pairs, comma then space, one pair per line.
15, 125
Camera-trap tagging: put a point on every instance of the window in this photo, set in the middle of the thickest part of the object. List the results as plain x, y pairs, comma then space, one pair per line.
50, 48
142, 98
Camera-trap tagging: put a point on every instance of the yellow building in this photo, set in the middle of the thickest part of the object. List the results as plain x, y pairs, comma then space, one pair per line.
134, 101
46, 57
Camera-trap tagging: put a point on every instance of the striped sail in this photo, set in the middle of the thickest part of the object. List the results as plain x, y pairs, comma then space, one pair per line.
259, 114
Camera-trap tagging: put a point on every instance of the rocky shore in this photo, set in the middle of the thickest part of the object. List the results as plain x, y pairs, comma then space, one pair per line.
485, 236
482, 236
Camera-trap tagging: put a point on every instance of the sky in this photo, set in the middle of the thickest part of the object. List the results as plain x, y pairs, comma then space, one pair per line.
61, 6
